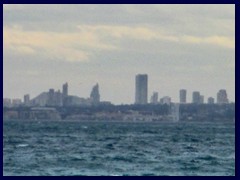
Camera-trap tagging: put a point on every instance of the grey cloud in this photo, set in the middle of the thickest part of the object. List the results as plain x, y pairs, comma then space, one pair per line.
177, 45
160, 15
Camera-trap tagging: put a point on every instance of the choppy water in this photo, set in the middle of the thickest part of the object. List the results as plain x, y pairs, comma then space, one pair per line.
110, 148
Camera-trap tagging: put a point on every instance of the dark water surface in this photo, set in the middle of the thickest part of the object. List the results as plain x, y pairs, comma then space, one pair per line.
111, 148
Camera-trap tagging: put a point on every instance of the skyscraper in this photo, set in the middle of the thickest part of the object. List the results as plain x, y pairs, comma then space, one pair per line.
95, 96
141, 89
196, 97
65, 90
64, 93
183, 96
26, 99
58, 98
51, 99
154, 98
222, 96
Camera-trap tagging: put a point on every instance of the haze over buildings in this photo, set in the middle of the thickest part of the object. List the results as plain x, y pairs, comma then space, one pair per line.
57, 98
177, 46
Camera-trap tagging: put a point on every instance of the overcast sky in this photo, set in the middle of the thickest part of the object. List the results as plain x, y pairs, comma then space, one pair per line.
178, 46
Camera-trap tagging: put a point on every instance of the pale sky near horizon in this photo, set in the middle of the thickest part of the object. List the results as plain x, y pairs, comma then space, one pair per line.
179, 46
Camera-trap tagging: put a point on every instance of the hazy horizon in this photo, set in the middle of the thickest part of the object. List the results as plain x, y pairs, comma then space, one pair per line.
188, 47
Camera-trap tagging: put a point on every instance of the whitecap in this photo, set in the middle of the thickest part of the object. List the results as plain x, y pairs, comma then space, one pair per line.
22, 145
114, 175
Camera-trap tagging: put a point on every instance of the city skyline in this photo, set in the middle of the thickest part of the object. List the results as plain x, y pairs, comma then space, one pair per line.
192, 48
55, 97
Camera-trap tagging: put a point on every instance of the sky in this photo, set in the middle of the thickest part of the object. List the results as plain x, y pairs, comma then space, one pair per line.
188, 47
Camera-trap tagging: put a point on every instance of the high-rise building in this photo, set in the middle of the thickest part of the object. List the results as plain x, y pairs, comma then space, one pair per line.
196, 97
26, 99
65, 90
210, 100
154, 98
141, 89
58, 98
183, 96
95, 95
64, 93
51, 99
222, 96
201, 99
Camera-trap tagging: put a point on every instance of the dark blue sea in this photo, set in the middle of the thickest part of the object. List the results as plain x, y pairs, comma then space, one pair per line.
64, 148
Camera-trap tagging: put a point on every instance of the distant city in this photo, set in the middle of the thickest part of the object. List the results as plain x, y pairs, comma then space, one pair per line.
57, 98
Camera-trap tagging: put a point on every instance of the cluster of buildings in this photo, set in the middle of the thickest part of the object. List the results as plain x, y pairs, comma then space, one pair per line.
197, 98
141, 94
57, 98
7, 102
44, 106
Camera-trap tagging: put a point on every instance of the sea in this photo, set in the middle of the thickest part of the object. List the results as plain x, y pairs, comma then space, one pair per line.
76, 148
